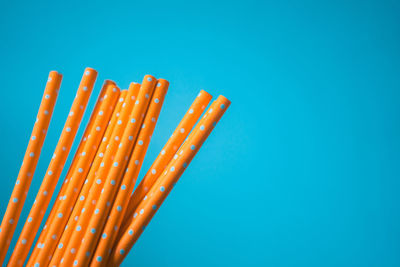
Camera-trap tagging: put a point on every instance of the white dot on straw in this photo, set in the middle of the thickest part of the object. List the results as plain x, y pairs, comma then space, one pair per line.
172, 169
60, 215
136, 162
31, 154
50, 173
98, 181
202, 127
47, 96
156, 100
182, 130
140, 142
141, 211
149, 79
192, 147
87, 72
80, 170
162, 188
30, 219
46, 112
72, 250
78, 228
45, 193
123, 187
33, 138
115, 164
119, 208
68, 129
163, 152
99, 258
153, 171
98, 128
113, 182
11, 221
54, 237
133, 120
93, 231
119, 122
15, 200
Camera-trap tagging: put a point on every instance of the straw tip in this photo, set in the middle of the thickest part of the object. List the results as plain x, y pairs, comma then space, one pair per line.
205, 93
89, 70
163, 82
106, 82
225, 100
149, 78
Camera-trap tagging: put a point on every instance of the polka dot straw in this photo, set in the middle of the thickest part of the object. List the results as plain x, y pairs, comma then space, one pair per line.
130, 176
97, 180
53, 172
160, 190
77, 178
168, 151
29, 163
88, 183
97, 220
72, 166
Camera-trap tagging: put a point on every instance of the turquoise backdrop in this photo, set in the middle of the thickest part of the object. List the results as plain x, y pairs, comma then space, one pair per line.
303, 170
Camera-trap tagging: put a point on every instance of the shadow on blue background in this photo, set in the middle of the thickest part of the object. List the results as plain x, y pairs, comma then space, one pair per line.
303, 170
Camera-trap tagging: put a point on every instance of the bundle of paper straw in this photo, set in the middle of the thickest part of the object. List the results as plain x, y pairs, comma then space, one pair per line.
98, 214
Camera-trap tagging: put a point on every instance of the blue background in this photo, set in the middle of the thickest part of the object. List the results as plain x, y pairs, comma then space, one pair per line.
303, 170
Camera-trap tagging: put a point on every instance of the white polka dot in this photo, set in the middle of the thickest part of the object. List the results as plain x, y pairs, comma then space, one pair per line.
78, 228
31, 154
136, 162
73, 250
87, 72
98, 181
172, 169
113, 182
101, 112
115, 164
60, 246
82, 198
130, 232
119, 208
60, 215
153, 171
15, 200
104, 235
156, 100
202, 127
80, 170
47, 96
163, 152
50, 173
162, 188
45, 193
93, 231
140, 142
68, 129
46, 112
54, 237
98, 128
30, 219
141, 211
33, 138
123, 187
85, 88
96, 211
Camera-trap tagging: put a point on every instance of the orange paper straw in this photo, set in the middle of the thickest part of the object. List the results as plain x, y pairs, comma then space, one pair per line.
168, 151
160, 190
97, 221
29, 163
54, 170
77, 178
130, 176
81, 218
72, 166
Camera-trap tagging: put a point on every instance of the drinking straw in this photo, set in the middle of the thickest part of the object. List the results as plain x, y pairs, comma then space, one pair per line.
130, 176
157, 194
29, 163
54, 170
168, 151
79, 204
72, 166
77, 178
81, 218
96, 223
